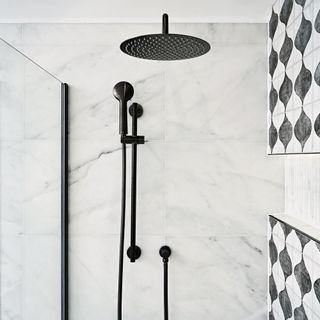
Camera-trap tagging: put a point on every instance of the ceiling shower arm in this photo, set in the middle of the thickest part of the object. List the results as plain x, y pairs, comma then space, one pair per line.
165, 23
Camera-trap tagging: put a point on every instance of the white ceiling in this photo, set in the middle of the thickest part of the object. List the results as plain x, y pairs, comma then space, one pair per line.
134, 10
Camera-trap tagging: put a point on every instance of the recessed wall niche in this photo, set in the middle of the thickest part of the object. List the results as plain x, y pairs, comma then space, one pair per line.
294, 77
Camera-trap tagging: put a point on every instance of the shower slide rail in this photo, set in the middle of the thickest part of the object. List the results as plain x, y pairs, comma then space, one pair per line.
136, 111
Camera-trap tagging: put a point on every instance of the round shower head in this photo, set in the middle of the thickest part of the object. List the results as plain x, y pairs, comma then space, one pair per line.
165, 46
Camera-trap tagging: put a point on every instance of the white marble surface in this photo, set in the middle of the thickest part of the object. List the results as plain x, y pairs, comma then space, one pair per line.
206, 269
12, 93
95, 185
201, 178
205, 184
302, 188
11, 277
29, 187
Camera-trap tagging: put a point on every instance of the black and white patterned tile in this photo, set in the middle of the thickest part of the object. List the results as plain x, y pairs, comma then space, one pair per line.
294, 273
294, 77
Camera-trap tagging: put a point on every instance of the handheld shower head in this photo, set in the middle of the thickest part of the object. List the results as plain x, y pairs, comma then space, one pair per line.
123, 91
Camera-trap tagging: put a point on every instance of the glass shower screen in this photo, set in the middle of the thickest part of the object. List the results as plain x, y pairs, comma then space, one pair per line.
33, 190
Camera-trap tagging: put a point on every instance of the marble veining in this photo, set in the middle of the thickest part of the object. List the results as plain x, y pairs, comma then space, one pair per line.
192, 191
30, 188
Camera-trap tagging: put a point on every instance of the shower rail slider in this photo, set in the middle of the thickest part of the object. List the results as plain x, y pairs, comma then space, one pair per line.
132, 139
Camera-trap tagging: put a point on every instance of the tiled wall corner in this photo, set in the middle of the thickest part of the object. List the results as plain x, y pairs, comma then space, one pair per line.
294, 273
302, 188
294, 77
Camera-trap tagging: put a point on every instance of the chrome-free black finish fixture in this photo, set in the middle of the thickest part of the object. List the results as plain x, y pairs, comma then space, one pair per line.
122, 230
165, 253
64, 204
123, 91
136, 111
165, 46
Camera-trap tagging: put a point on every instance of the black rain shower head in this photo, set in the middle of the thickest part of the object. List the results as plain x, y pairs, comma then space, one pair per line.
123, 91
165, 46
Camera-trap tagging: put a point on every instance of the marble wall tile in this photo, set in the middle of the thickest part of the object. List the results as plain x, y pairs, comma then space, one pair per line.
205, 102
94, 280
30, 188
42, 187
41, 279
204, 182
11, 304
11, 32
95, 188
202, 177
11, 277
42, 99
209, 275
12, 190
30, 185
237, 34
94, 112
113, 34
225, 34
77, 34
12, 85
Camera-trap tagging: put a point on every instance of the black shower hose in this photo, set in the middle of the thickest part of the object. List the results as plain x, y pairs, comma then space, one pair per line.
122, 229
